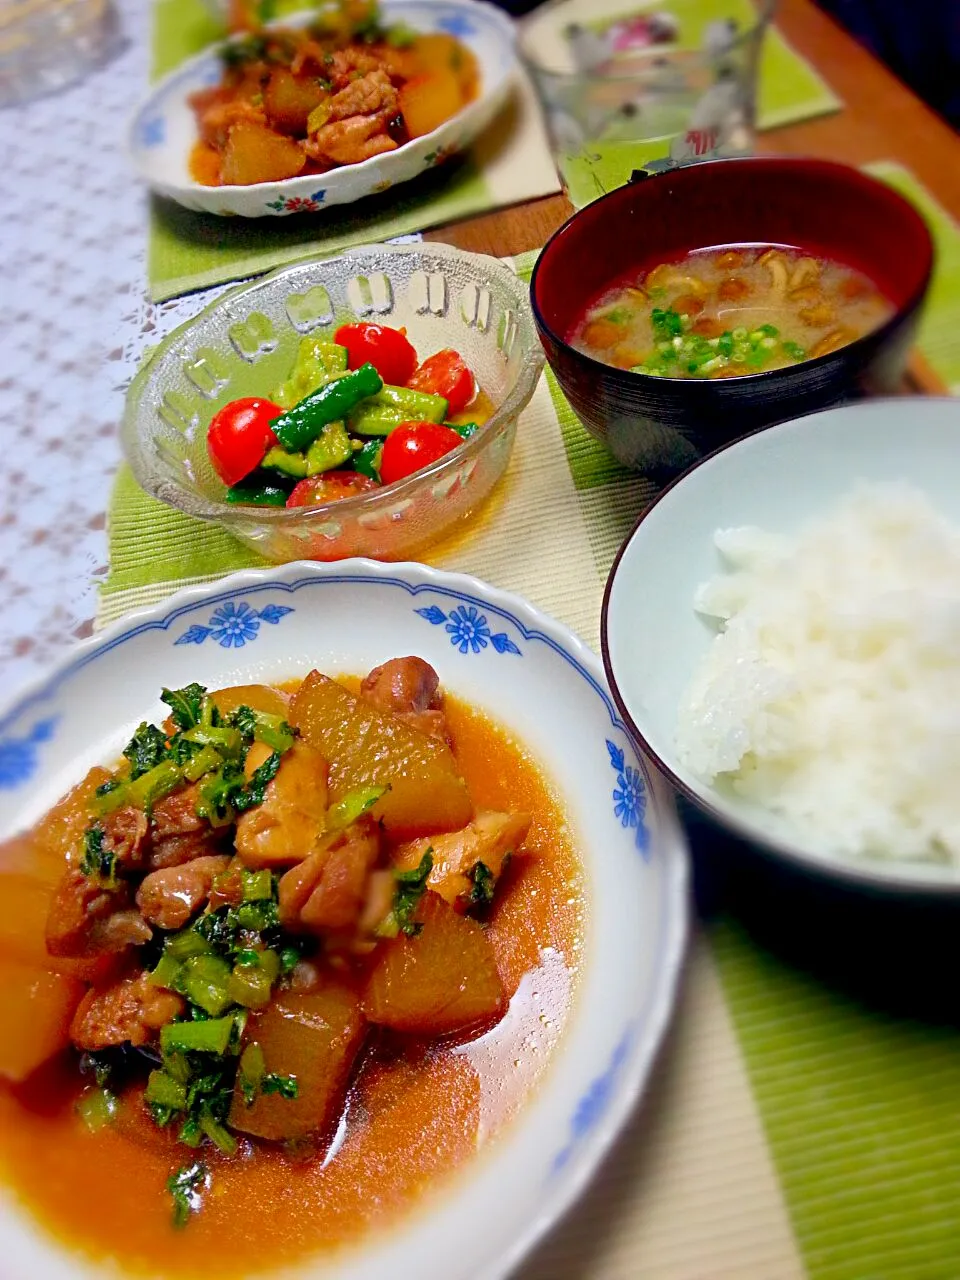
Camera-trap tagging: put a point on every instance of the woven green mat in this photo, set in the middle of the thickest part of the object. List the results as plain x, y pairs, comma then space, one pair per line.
845, 1015
939, 334
150, 543
189, 251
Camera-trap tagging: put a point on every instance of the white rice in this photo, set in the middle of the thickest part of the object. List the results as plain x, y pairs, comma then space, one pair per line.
831, 694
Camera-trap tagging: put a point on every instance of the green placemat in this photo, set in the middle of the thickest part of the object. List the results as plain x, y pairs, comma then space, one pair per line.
511, 163
178, 547
187, 251
860, 1103
939, 336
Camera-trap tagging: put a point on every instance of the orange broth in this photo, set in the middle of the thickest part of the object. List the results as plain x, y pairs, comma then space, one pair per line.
414, 1113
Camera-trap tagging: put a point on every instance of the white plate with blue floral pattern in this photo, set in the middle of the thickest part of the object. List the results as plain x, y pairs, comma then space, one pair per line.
537, 679
163, 130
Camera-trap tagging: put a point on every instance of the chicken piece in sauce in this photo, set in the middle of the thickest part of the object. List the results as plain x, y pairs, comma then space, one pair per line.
170, 897
88, 919
287, 825
410, 688
130, 1011
468, 863
326, 893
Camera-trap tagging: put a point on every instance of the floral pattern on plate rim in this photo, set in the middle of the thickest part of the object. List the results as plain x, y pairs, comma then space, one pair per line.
468, 629
629, 798
298, 204
594, 1102
234, 625
19, 757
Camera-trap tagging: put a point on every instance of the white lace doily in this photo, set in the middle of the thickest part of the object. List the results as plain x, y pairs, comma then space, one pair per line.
74, 324
71, 271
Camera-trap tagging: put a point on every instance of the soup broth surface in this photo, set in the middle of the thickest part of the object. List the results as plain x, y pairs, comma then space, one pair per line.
729, 311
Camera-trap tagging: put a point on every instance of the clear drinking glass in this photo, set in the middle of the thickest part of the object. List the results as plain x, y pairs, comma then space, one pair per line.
47, 44
627, 92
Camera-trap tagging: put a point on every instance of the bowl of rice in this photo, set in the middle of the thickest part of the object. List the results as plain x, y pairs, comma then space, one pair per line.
781, 632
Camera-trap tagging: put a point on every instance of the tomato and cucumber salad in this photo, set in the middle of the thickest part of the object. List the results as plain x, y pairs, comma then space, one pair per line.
354, 414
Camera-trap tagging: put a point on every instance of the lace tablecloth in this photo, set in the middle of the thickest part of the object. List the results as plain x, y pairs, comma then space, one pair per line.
73, 324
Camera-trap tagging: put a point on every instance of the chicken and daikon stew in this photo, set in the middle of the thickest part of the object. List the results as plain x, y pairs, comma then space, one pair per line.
346, 88
726, 312
253, 979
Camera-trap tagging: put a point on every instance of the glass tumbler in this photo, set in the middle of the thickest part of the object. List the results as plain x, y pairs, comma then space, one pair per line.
634, 92
46, 45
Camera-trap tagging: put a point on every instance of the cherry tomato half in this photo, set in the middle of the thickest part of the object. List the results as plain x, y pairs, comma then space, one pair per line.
239, 436
445, 374
386, 349
414, 445
329, 486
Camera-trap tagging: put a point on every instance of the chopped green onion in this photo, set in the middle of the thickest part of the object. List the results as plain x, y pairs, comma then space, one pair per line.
353, 805
190, 1132
164, 1091
154, 785
410, 888
177, 1067
97, 1108
484, 883
226, 740
251, 1071
189, 942
205, 981
286, 1086
249, 987
168, 972
210, 1036
204, 761
218, 1135
186, 704
184, 1186
257, 885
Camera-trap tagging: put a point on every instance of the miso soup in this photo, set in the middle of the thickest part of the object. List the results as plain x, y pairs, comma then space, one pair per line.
729, 311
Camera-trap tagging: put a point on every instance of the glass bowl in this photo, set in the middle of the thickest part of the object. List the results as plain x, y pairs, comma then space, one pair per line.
245, 344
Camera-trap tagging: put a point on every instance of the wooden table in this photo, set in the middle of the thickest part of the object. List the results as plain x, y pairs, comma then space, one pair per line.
881, 120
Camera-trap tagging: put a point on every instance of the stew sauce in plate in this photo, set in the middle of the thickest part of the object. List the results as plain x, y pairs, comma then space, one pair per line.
352, 1075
